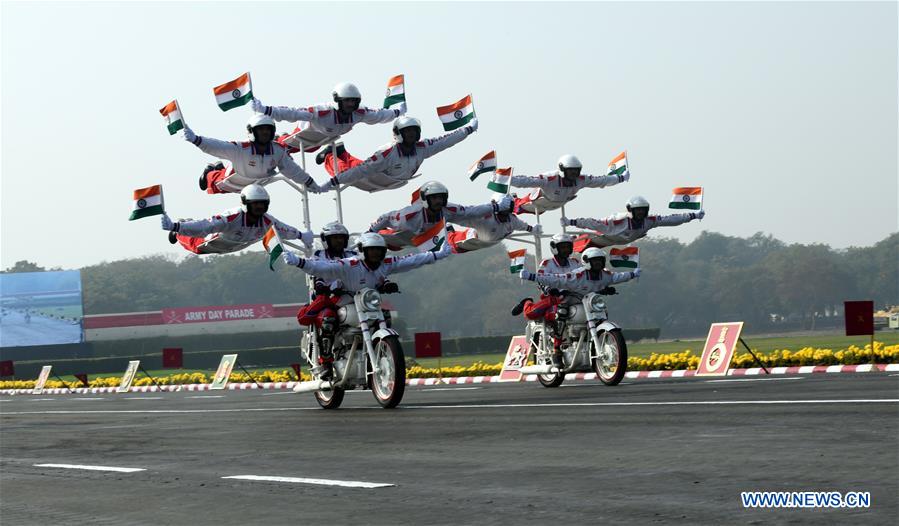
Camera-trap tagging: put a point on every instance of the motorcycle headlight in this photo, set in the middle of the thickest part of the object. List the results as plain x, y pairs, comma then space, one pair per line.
597, 303
371, 300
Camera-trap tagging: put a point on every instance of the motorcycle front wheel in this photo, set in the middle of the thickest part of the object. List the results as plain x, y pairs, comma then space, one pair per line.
389, 383
610, 363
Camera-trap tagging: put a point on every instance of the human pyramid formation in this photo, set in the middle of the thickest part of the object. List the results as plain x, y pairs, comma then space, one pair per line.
246, 167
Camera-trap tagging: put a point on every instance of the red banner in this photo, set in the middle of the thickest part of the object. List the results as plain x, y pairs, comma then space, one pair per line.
859, 317
427, 345
172, 358
6, 368
213, 314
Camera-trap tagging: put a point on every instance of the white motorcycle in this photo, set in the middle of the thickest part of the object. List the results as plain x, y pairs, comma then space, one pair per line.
590, 341
366, 354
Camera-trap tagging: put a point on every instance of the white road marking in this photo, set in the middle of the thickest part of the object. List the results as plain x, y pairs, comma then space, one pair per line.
208, 396
320, 482
142, 398
895, 374
273, 394
90, 398
756, 379
469, 406
452, 389
90, 468
39, 399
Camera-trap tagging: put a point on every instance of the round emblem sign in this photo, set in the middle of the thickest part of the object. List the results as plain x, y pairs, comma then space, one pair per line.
625, 257
480, 165
236, 94
686, 198
141, 203
716, 358
457, 114
388, 92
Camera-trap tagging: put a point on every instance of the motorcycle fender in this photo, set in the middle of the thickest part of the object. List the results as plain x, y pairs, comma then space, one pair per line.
607, 326
382, 333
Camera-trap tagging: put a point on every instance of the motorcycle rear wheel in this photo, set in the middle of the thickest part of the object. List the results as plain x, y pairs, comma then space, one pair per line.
389, 385
330, 399
615, 347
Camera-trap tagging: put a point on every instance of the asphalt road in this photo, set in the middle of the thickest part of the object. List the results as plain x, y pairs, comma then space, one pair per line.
645, 452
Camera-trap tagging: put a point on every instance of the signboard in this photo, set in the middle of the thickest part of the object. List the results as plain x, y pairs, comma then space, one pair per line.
7, 368
128, 377
516, 358
224, 371
859, 317
40, 308
213, 314
172, 358
427, 345
42, 379
719, 348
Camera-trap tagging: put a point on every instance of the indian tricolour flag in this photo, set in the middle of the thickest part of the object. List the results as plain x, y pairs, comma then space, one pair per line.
272, 243
235, 93
689, 197
485, 164
147, 202
396, 94
627, 257
457, 114
500, 181
516, 260
431, 239
618, 165
172, 115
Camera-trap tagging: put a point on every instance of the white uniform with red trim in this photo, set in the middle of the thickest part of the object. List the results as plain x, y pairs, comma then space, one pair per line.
582, 281
249, 165
413, 220
554, 266
557, 190
323, 254
356, 276
621, 229
484, 231
326, 120
392, 163
230, 232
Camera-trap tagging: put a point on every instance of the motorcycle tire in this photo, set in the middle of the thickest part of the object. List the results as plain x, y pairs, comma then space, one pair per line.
613, 377
330, 399
389, 389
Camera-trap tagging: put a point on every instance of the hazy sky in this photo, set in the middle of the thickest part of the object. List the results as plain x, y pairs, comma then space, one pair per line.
785, 112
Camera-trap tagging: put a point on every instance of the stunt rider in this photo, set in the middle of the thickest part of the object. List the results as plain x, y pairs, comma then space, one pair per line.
562, 185
322, 311
489, 229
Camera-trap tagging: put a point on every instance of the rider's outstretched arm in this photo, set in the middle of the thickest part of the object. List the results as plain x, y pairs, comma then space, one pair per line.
413, 261
599, 225
677, 219
602, 181
201, 227
319, 267
436, 145
371, 166
373, 116
527, 181
291, 170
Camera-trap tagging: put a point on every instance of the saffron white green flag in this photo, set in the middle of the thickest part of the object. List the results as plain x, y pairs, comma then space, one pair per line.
457, 114
431, 239
500, 181
689, 198
235, 93
272, 243
485, 164
618, 165
174, 121
516, 262
147, 202
627, 257
396, 94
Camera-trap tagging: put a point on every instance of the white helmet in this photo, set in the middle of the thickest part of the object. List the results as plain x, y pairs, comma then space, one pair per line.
404, 122
592, 253
557, 239
253, 192
638, 201
569, 161
345, 90
334, 229
432, 188
371, 240
259, 119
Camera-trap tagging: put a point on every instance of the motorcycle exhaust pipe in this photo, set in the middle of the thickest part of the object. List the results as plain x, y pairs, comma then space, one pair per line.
539, 369
312, 385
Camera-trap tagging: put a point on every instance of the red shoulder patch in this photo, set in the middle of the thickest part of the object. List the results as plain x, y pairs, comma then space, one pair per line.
579, 275
551, 177
454, 209
385, 153
362, 111
232, 217
245, 144
544, 263
618, 221
389, 259
323, 113
420, 144
354, 262
267, 220
409, 215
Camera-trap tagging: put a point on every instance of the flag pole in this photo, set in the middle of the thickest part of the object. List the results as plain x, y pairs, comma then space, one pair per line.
336, 173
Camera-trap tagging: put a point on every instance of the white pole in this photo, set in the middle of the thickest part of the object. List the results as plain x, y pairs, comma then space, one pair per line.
336, 172
564, 227
307, 222
538, 248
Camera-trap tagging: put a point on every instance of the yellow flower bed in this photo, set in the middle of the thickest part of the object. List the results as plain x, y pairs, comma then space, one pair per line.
682, 360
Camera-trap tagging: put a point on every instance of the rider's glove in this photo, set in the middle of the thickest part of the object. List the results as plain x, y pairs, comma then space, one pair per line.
334, 182
322, 288
537, 230
445, 250
626, 176
608, 291
697, 215
472, 126
635, 273
168, 224
292, 259
389, 287
258, 106
307, 238
526, 275
189, 135
553, 292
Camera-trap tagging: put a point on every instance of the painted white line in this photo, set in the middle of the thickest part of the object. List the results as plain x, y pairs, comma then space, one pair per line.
452, 389
90, 468
142, 398
90, 398
320, 482
469, 406
894, 375
274, 394
40, 399
756, 379
208, 396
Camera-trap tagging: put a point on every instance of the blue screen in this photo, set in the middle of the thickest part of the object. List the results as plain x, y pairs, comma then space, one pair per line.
40, 308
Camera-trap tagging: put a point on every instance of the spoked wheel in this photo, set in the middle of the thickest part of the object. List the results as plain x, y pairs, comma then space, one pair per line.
330, 399
389, 383
547, 380
610, 363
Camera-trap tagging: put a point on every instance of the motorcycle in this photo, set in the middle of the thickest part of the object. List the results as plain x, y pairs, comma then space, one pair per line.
590, 341
366, 353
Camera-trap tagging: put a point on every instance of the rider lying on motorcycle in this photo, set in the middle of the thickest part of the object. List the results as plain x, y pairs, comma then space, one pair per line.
592, 277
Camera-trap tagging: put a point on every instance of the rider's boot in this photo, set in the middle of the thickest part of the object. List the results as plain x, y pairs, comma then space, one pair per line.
518, 309
557, 354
